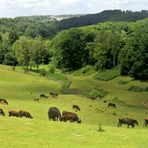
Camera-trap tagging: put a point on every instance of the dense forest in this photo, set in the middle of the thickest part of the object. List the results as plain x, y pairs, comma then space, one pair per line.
121, 41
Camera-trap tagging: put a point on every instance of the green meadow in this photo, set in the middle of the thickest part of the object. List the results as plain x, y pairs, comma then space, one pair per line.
20, 89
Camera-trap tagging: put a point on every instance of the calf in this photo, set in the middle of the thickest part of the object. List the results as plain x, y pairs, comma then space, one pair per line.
54, 95
76, 107
43, 96
112, 104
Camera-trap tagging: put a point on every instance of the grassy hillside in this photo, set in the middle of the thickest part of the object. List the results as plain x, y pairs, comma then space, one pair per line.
20, 89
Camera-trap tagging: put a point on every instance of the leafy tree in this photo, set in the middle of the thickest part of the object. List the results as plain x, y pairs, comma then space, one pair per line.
134, 56
23, 48
69, 49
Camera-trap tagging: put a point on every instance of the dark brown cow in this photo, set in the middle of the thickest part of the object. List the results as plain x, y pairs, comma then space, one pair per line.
3, 101
76, 107
145, 122
14, 113
25, 114
54, 113
43, 96
36, 99
128, 121
112, 104
70, 116
54, 95
2, 112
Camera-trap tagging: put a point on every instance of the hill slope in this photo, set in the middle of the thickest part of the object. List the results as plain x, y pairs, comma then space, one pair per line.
20, 89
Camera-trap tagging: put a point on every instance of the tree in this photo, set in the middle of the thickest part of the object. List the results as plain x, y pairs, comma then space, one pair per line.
134, 56
22, 48
107, 49
69, 49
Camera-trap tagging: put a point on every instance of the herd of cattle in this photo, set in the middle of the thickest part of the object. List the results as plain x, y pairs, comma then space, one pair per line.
55, 114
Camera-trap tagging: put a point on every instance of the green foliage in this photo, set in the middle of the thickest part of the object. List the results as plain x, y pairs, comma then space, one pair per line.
123, 82
134, 56
69, 49
107, 49
43, 72
97, 93
51, 69
107, 75
137, 89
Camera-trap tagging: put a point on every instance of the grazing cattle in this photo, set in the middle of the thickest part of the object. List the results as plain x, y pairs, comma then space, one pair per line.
43, 96
25, 114
14, 113
112, 104
70, 116
54, 113
145, 122
128, 121
2, 112
3, 101
54, 95
36, 100
76, 107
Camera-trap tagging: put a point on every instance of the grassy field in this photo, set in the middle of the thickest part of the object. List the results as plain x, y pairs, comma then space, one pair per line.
20, 89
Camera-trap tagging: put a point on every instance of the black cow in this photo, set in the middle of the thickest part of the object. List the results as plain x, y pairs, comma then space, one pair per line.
54, 113
3, 101
2, 112
43, 96
76, 107
128, 121
70, 116
145, 122
14, 113
112, 104
25, 114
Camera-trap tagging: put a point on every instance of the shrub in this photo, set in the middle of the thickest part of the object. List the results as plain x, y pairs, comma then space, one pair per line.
51, 69
135, 89
97, 94
43, 72
107, 74
87, 69
123, 82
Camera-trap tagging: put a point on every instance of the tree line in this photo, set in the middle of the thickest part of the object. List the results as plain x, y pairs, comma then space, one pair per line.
104, 46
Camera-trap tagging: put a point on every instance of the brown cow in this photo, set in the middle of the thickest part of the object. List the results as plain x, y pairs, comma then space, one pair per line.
3, 101
2, 112
54, 95
128, 121
70, 116
25, 114
14, 113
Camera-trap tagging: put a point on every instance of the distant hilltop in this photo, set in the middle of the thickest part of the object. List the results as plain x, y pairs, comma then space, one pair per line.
44, 18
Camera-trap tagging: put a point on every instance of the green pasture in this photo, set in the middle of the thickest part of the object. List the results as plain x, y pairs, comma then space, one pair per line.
20, 89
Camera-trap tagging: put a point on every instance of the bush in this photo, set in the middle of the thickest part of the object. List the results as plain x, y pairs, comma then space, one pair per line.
43, 72
51, 69
87, 69
97, 94
107, 74
135, 89
123, 82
